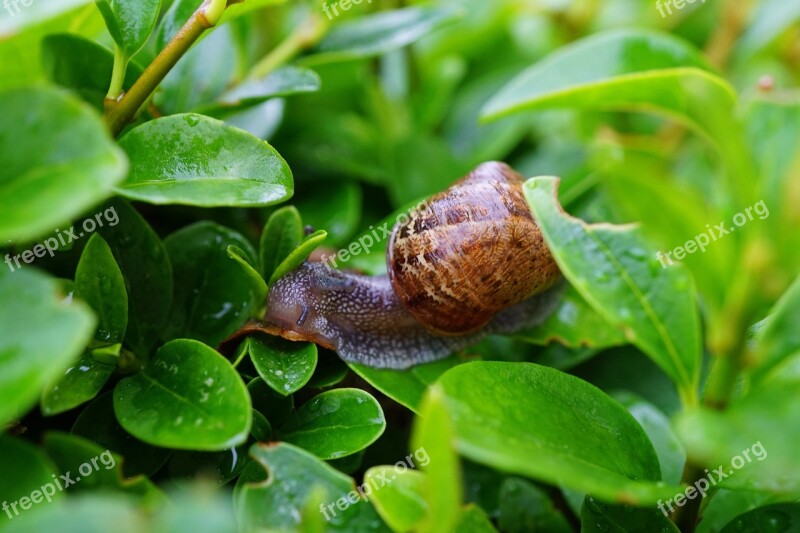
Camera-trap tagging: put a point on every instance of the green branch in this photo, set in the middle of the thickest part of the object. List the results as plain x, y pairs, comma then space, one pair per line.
119, 114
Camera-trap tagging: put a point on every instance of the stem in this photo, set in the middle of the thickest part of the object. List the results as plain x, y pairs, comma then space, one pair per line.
304, 36
686, 517
117, 74
206, 16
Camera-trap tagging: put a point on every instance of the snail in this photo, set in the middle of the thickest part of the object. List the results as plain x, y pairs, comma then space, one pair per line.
471, 262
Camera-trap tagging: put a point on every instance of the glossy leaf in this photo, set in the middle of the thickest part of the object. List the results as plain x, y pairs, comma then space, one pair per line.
187, 397
379, 33
574, 323
275, 407
285, 366
298, 255
145, 265
434, 443
612, 268
474, 520
398, 502
335, 424
83, 66
80, 383
597, 517
212, 297
620, 69
195, 160
535, 411
334, 207
257, 283
286, 81
40, 335
282, 233
406, 387
99, 283
780, 517
130, 22
58, 161
526, 507
98, 423
222, 466
288, 480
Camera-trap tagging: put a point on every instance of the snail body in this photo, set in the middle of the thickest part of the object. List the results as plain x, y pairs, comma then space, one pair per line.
471, 262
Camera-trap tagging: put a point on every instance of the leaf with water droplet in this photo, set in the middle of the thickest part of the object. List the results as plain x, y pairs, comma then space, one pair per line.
335, 423
163, 403
284, 365
657, 317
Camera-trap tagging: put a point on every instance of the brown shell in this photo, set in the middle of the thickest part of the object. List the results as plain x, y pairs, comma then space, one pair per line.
470, 252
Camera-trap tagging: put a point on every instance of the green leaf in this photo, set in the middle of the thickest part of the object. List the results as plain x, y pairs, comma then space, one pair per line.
213, 297
298, 255
780, 337
506, 413
130, 22
635, 70
94, 468
612, 268
747, 441
187, 397
98, 423
335, 207
779, 517
399, 502
406, 387
25, 470
285, 366
282, 233
83, 66
377, 34
99, 283
434, 443
195, 160
620, 69
295, 481
286, 81
145, 265
574, 323
336, 423
671, 455
526, 507
474, 520
58, 161
222, 466
275, 407
599, 517
80, 383
257, 283
40, 335
17, 16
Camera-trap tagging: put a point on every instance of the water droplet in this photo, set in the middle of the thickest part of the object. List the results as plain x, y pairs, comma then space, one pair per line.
192, 120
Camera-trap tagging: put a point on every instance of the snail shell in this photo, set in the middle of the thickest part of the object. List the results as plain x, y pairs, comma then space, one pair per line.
470, 252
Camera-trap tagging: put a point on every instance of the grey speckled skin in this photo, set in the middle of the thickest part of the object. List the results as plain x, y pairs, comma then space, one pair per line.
363, 320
